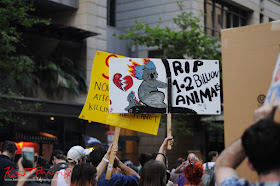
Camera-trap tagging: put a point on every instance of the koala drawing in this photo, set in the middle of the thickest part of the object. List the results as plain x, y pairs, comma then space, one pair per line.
132, 101
148, 92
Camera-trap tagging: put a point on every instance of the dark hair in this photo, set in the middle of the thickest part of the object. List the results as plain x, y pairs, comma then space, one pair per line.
9, 146
194, 172
144, 158
95, 157
153, 173
58, 154
211, 154
83, 174
41, 162
262, 141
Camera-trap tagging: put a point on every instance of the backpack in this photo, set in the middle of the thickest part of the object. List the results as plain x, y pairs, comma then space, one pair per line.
208, 179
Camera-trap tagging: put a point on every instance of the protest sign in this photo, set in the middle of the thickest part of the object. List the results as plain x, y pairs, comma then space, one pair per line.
97, 102
275, 84
140, 85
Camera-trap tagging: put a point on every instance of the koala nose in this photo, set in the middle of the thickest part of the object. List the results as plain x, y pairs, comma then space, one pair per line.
152, 76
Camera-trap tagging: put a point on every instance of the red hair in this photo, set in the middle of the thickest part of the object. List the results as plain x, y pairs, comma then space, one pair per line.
194, 172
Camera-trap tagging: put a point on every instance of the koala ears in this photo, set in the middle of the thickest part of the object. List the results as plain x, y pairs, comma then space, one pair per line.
150, 65
139, 69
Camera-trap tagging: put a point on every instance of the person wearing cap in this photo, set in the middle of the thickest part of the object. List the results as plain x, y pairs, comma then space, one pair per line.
76, 155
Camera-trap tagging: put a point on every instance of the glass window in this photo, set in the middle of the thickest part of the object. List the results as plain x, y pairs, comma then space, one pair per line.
220, 15
111, 12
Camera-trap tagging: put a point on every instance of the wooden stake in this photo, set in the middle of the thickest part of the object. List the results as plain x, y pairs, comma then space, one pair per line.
169, 147
169, 102
112, 158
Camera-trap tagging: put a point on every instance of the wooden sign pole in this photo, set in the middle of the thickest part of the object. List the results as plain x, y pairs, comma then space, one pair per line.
112, 158
169, 102
169, 129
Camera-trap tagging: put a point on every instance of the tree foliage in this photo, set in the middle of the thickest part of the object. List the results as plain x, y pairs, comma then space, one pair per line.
189, 40
21, 73
15, 68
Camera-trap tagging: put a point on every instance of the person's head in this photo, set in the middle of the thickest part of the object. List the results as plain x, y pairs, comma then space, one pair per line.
83, 175
213, 155
194, 171
75, 155
144, 158
260, 141
95, 157
9, 149
86, 154
41, 162
191, 155
58, 156
153, 173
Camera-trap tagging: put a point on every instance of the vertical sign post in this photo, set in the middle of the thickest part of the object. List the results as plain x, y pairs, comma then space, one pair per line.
112, 158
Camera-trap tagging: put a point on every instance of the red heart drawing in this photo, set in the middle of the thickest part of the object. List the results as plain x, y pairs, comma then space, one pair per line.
128, 82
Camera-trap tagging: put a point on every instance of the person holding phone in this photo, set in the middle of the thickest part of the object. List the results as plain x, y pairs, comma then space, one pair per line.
8, 152
28, 157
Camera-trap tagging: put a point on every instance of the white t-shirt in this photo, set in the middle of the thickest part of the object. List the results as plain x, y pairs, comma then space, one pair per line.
210, 165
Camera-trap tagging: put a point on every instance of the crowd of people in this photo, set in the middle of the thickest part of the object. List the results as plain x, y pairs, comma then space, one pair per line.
259, 144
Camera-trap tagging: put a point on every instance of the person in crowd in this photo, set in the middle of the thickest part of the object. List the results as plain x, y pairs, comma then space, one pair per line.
260, 145
184, 164
75, 156
121, 174
175, 176
153, 173
84, 174
212, 157
22, 178
8, 152
182, 178
144, 158
41, 164
193, 172
59, 162
160, 176
87, 153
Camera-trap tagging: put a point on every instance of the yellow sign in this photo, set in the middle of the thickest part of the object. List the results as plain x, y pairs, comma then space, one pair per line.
97, 104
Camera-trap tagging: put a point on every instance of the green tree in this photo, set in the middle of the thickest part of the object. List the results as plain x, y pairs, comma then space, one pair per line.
189, 40
16, 70
19, 73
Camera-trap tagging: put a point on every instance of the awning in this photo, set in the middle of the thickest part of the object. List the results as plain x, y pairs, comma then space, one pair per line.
60, 32
39, 137
47, 108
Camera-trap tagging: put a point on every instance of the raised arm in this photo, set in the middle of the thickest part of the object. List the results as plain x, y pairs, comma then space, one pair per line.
233, 155
103, 164
22, 175
183, 164
162, 150
125, 169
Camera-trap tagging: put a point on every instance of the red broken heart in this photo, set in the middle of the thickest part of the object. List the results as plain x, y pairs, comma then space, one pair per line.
127, 81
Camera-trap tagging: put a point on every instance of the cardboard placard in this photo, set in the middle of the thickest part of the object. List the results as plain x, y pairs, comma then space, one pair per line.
139, 85
96, 106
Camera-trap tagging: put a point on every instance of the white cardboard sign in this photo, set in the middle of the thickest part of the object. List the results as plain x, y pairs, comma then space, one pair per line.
139, 85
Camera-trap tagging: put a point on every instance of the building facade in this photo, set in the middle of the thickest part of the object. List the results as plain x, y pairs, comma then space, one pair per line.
81, 27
